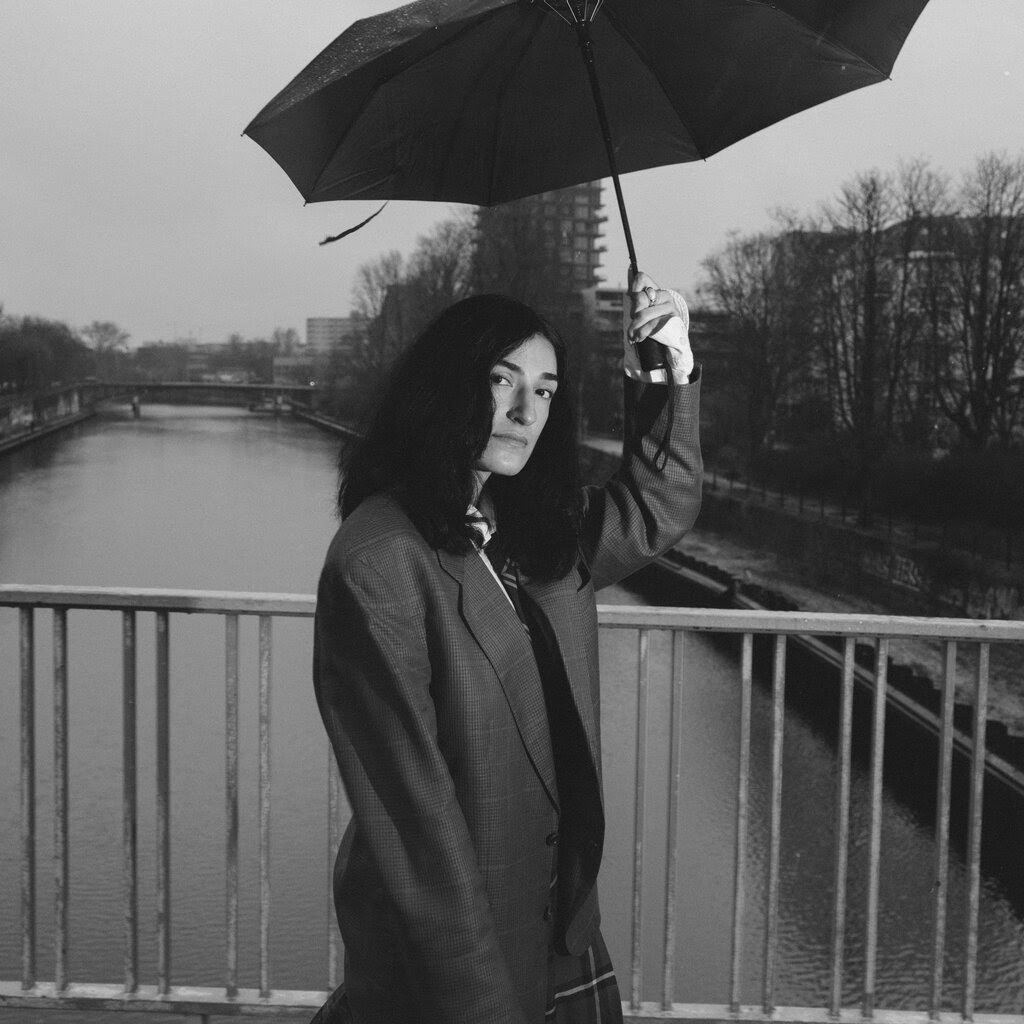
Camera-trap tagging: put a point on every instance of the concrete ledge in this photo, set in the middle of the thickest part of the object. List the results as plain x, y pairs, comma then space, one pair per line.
23, 438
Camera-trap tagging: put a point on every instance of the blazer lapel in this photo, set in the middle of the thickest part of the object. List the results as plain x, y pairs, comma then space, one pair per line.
555, 600
490, 617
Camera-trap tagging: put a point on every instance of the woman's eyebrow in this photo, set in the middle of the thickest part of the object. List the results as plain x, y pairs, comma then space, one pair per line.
518, 369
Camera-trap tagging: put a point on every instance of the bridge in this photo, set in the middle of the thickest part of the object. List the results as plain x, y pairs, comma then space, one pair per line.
26, 416
772, 633
231, 392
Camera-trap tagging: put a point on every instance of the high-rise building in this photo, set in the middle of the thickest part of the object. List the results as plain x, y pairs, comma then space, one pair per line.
543, 249
570, 222
324, 334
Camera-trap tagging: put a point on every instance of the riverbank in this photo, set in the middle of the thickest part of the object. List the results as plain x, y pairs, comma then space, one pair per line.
765, 570
9, 444
332, 426
26, 418
770, 565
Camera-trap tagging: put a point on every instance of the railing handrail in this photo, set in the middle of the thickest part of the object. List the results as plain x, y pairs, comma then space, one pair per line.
615, 616
156, 599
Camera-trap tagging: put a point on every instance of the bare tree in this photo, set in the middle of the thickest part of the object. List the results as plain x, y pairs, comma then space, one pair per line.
109, 342
982, 391
284, 340
104, 336
394, 301
373, 280
919, 347
758, 282
36, 353
859, 321
378, 304
440, 268
854, 329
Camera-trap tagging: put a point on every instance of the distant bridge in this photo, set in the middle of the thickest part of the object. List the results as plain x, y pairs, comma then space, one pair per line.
26, 416
259, 397
233, 392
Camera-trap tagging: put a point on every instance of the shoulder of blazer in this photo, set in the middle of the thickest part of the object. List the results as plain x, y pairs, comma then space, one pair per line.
377, 532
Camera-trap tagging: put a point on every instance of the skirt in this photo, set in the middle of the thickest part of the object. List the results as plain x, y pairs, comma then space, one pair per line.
581, 990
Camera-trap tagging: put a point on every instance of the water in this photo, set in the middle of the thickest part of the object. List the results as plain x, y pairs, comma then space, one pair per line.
220, 499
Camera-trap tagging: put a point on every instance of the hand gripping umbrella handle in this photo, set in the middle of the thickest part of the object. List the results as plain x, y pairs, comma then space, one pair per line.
649, 352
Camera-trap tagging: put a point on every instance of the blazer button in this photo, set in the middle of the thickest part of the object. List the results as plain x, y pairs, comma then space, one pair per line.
551, 839
548, 913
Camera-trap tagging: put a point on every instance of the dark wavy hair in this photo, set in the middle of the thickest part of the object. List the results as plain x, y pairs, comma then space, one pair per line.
433, 422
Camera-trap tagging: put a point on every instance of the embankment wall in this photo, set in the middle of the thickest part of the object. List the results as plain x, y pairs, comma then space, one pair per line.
23, 418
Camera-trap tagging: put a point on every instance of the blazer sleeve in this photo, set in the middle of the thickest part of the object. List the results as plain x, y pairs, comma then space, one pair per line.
654, 497
372, 673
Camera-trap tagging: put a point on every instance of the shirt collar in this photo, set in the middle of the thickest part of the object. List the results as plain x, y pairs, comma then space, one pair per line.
480, 525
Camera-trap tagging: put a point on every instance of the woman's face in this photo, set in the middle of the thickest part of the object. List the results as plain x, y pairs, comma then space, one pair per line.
523, 384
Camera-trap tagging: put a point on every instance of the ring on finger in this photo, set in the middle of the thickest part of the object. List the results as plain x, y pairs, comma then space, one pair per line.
652, 294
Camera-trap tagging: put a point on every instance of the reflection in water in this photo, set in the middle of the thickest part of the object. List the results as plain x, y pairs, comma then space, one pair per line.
218, 499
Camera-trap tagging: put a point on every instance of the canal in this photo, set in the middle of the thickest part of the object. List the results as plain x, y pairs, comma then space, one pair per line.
220, 499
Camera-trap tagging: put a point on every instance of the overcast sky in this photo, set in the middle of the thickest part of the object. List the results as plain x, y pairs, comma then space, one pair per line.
128, 193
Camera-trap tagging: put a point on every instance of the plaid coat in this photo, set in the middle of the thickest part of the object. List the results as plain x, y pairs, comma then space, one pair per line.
429, 690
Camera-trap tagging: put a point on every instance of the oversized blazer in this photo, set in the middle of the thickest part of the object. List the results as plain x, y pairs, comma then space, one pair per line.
430, 692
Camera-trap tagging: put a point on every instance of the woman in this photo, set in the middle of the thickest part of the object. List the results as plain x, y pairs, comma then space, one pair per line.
456, 669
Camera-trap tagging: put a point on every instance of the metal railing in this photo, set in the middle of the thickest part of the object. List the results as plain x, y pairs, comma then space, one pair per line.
778, 628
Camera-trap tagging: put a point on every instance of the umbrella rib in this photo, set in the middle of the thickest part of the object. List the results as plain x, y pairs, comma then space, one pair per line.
703, 151
552, 6
503, 91
823, 34
575, 15
468, 26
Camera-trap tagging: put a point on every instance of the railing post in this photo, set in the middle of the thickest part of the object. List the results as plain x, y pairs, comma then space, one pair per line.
163, 803
333, 840
129, 801
639, 815
231, 798
875, 840
974, 836
675, 756
942, 801
742, 818
842, 826
264, 802
775, 827
60, 797
27, 648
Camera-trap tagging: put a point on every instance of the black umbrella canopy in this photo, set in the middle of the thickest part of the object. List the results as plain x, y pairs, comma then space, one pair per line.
484, 101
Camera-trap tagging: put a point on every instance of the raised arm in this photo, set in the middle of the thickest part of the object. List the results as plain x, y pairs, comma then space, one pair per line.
655, 496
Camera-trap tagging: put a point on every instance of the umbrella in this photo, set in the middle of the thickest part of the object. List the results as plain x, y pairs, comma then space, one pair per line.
485, 101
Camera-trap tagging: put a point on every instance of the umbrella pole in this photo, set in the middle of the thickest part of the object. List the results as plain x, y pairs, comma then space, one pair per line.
649, 351
586, 50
